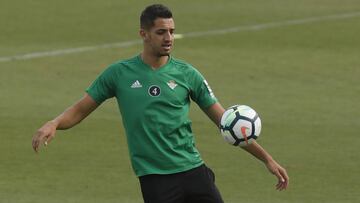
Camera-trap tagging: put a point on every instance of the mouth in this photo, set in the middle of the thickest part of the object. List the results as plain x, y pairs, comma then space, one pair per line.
166, 46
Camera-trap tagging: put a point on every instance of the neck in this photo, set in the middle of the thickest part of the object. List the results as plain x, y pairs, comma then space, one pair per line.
154, 61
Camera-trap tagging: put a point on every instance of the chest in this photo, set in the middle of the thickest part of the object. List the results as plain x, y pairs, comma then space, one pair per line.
168, 87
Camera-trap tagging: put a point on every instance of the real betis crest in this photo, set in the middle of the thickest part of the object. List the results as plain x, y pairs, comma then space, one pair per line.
172, 84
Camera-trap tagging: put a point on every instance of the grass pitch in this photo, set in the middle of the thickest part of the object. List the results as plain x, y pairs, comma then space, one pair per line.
302, 79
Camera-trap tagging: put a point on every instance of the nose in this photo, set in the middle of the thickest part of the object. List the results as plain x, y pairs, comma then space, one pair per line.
168, 36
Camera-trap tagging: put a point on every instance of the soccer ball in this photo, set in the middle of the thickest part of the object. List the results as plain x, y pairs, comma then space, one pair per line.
240, 125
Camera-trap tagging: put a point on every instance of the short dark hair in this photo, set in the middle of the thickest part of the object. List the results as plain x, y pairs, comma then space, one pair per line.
151, 13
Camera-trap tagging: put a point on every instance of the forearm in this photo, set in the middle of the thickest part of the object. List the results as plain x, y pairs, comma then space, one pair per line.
75, 114
214, 112
67, 119
70, 117
257, 151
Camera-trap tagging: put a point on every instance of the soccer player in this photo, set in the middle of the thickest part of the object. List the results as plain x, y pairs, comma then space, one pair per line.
153, 91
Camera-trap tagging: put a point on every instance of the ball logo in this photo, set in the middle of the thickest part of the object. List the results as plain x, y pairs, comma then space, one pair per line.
243, 132
154, 91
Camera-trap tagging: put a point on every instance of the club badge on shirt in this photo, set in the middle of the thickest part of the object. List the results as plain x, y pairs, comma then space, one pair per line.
172, 84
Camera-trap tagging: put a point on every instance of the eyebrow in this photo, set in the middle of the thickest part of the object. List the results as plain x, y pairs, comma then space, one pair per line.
164, 29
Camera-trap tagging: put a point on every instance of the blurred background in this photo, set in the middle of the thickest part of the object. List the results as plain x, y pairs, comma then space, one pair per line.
296, 62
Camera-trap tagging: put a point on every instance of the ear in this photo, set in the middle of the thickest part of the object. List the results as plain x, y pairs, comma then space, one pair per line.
143, 34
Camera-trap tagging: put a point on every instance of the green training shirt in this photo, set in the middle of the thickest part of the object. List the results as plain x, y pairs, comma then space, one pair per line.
154, 105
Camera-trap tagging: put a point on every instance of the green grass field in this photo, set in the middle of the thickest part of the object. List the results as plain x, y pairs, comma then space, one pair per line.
302, 78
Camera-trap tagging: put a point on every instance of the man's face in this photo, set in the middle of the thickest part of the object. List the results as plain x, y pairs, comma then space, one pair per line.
159, 39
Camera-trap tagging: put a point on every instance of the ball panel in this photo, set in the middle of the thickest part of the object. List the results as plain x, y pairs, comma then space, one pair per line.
242, 129
257, 126
225, 117
229, 138
246, 111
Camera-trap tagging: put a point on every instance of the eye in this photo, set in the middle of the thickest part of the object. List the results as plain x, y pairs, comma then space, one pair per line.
160, 32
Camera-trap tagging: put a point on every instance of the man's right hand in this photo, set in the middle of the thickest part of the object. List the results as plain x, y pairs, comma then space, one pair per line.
70, 117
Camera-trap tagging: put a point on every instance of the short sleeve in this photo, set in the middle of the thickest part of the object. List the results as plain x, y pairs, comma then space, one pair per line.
103, 87
201, 93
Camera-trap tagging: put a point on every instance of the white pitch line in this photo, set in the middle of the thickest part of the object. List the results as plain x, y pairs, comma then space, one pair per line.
272, 25
60, 52
256, 27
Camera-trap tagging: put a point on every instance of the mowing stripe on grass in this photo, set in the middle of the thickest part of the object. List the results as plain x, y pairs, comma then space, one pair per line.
256, 27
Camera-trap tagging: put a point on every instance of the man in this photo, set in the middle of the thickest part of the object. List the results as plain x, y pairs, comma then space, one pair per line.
160, 140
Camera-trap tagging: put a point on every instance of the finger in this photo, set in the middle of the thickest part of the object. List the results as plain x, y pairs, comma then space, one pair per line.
277, 186
280, 186
35, 145
285, 176
281, 180
37, 140
45, 142
49, 138
279, 176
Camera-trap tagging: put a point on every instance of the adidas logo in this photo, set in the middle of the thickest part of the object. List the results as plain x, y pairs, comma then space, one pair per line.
136, 84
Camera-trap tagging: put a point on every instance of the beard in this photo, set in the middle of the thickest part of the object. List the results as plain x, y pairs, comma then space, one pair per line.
159, 54
159, 50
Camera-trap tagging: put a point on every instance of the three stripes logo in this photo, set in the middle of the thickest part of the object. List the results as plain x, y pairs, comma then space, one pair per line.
136, 84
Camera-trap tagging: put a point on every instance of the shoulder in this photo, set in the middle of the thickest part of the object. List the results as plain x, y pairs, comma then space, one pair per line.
128, 62
124, 63
184, 66
120, 66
